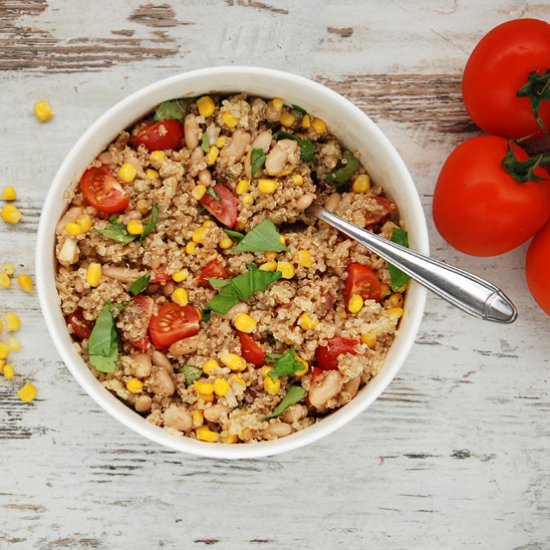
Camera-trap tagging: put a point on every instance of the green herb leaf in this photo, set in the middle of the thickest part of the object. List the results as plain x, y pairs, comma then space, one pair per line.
117, 231
257, 161
191, 373
213, 193
174, 109
281, 134
103, 342
139, 285
398, 278
241, 288
284, 365
341, 175
218, 283
264, 237
294, 395
206, 314
205, 142
150, 221
299, 110
307, 150
237, 235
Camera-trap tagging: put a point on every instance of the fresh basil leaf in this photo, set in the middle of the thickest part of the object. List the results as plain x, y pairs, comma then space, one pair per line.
103, 341
257, 161
174, 109
150, 221
117, 231
294, 395
307, 150
264, 237
205, 142
281, 134
398, 278
206, 314
213, 193
139, 285
270, 358
237, 235
106, 364
341, 175
299, 110
191, 373
286, 365
218, 283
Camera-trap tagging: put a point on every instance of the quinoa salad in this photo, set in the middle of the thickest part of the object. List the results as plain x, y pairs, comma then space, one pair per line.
201, 292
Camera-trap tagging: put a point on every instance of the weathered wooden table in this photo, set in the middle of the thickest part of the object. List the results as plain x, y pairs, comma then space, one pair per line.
456, 454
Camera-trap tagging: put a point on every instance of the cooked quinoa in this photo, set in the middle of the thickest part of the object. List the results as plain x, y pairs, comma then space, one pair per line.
203, 332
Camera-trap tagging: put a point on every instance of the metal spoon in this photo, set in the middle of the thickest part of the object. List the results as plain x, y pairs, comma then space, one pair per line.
466, 291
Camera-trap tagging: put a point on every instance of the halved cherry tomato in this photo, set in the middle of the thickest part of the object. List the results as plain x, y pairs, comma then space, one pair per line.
160, 277
251, 351
80, 328
387, 208
102, 191
144, 309
362, 280
213, 269
172, 323
166, 134
326, 357
225, 209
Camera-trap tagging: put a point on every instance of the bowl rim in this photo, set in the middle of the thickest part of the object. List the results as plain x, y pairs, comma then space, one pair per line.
62, 181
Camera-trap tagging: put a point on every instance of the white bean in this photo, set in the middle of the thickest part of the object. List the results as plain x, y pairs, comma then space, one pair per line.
191, 132
178, 418
333, 201
304, 201
160, 360
233, 152
294, 413
121, 274
143, 403
262, 141
185, 346
324, 390
284, 153
141, 365
215, 413
279, 429
352, 386
205, 177
161, 382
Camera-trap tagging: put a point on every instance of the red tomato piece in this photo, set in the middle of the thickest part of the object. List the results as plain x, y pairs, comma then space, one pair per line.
482, 210
145, 305
387, 208
102, 191
362, 280
225, 209
537, 268
315, 373
166, 134
251, 351
326, 357
172, 323
160, 277
80, 327
213, 269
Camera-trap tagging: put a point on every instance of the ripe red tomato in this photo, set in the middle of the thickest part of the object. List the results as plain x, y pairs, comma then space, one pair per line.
159, 277
144, 309
225, 209
387, 208
326, 357
102, 191
537, 268
213, 269
362, 280
497, 68
482, 210
166, 134
80, 328
172, 323
251, 351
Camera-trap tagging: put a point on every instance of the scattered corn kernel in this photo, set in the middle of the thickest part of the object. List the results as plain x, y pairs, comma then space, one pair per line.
268, 266
5, 281
9, 371
278, 103
134, 385
27, 393
43, 110
237, 379
157, 158
135, 227
208, 223
395, 300
221, 387
190, 247
369, 339
180, 276
248, 199
244, 323
25, 282
212, 155
307, 322
11, 214
127, 173
204, 388
13, 322
229, 120
306, 121
14, 344
233, 361
93, 274
73, 229
361, 184
220, 142
151, 174
210, 366
270, 255
298, 179
319, 125
272, 387
355, 303
304, 258
287, 269
303, 371
4, 350
267, 185
9, 193
287, 119
206, 434
8, 268
198, 191
395, 312
242, 187
199, 235
206, 106
85, 222
230, 439
225, 243
180, 297
198, 418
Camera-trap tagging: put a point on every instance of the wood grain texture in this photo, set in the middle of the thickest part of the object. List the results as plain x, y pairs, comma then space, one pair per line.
455, 454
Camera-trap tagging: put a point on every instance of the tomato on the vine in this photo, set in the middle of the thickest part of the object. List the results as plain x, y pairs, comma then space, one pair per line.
537, 268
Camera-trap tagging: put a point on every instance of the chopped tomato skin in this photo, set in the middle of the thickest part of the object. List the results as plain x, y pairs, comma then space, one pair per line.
80, 327
154, 136
362, 280
251, 351
225, 209
102, 191
172, 323
213, 269
160, 278
326, 357
387, 208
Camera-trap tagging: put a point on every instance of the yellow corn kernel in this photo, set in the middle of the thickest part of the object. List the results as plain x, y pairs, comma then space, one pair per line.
157, 158
221, 387
230, 439
244, 323
306, 121
13, 322
270, 255
319, 125
212, 155
93, 274
242, 187
278, 103
233, 361
303, 371
127, 173
206, 106
237, 379
43, 110
199, 235
9, 371
180, 297
248, 199
85, 222
14, 344
267, 185
203, 388
206, 434
304, 258
134, 385
268, 266
180, 276
11, 214
8, 269
395, 300
272, 387
395, 312
142, 206
198, 191
282, 240
307, 322
210, 366
198, 418
5, 281
229, 120
4, 350
2, 363
369, 339
73, 229
225, 243
361, 184
9, 193
25, 282
355, 303
151, 174
190, 247
298, 179
220, 142
287, 269
287, 119
208, 223
135, 227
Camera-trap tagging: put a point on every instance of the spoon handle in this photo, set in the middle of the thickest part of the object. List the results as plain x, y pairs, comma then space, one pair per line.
466, 291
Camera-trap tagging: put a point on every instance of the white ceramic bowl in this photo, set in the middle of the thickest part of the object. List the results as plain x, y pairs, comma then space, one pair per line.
350, 125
